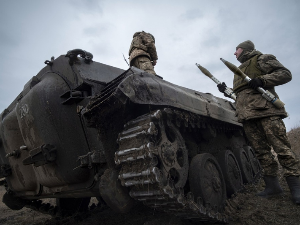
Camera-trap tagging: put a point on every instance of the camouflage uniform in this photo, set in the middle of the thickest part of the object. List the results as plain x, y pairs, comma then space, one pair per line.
262, 121
142, 51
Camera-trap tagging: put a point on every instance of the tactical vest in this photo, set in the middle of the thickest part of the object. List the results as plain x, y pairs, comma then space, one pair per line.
251, 69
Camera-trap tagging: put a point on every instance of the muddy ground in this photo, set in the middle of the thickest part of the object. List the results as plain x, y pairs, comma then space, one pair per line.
244, 209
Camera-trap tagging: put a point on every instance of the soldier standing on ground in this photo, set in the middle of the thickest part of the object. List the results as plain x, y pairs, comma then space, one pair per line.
142, 52
262, 121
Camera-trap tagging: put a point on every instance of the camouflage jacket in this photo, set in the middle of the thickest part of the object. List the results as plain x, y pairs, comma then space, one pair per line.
143, 44
250, 104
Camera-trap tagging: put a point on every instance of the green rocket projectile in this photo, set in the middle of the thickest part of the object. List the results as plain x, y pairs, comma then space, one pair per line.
228, 91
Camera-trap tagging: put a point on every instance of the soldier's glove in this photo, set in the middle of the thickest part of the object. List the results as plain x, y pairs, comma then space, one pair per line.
222, 87
255, 83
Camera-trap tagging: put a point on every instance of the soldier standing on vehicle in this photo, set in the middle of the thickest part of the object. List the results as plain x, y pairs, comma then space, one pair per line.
142, 52
262, 121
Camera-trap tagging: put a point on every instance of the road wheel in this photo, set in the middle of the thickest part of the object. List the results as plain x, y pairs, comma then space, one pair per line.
244, 164
231, 171
206, 180
256, 168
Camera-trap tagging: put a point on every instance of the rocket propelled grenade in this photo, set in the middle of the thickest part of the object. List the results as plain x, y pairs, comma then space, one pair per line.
228, 91
234, 68
265, 94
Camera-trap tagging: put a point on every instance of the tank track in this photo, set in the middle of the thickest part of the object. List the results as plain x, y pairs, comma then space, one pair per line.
147, 166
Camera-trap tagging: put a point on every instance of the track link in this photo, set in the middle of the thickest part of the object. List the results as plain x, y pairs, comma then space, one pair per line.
149, 161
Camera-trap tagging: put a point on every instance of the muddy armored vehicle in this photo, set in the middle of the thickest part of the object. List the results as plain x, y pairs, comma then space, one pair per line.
82, 129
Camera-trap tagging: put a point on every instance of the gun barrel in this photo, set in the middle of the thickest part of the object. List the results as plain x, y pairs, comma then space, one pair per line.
234, 68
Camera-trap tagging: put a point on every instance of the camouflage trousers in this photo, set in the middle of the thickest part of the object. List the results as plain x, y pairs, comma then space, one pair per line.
264, 133
143, 63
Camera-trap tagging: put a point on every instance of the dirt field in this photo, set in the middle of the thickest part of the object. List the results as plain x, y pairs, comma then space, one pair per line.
24, 216
244, 209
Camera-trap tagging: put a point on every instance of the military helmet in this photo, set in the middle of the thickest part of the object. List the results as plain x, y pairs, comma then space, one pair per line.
152, 37
138, 33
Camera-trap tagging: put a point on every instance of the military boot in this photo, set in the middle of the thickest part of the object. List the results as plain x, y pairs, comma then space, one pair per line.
294, 185
272, 187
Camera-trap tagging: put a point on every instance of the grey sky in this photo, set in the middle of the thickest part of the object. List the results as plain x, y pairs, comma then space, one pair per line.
186, 32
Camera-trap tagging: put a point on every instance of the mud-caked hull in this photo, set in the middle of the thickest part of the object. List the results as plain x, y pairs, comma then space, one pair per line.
82, 129
170, 141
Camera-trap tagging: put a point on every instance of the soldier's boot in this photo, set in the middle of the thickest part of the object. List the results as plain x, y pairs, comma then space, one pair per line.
272, 187
294, 185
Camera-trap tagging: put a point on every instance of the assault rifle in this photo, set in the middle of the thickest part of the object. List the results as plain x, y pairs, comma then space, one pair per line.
228, 90
266, 94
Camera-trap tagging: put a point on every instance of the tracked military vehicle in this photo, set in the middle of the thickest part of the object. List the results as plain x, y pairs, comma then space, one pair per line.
82, 129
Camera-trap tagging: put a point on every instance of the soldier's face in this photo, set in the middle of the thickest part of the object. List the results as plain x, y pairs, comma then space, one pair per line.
238, 52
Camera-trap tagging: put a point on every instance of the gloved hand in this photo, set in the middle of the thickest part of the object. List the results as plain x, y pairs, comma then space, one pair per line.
222, 87
255, 83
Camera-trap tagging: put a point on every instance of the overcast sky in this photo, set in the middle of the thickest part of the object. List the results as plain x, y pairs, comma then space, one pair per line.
186, 32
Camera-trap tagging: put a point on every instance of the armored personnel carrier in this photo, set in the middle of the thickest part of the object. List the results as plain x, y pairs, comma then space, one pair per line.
82, 129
